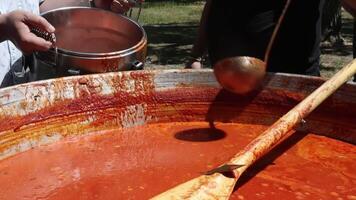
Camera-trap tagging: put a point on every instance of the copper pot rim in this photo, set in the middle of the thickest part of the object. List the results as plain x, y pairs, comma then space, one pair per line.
142, 42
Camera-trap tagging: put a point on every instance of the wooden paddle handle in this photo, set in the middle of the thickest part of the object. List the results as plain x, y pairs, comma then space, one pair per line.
274, 134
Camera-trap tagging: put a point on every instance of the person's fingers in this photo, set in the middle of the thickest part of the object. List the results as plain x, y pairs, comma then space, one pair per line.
103, 4
193, 65
133, 3
120, 6
38, 21
32, 43
196, 65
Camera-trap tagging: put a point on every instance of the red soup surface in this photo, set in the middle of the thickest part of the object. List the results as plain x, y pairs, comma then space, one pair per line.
140, 162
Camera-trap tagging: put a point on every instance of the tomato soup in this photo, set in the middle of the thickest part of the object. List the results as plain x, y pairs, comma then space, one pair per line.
143, 161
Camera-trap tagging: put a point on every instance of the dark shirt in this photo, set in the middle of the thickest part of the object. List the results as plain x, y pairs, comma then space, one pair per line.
243, 28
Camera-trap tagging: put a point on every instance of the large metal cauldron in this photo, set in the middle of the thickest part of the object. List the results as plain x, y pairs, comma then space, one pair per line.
91, 40
55, 139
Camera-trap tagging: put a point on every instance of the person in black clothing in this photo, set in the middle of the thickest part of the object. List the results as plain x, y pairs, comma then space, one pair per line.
244, 28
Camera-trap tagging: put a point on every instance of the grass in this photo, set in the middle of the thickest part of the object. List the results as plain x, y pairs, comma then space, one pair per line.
171, 27
155, 13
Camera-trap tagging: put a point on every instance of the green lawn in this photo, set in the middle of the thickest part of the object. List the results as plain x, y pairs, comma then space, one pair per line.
171, 13
171, 27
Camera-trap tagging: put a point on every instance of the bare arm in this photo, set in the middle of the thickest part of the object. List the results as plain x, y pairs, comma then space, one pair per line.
350, 6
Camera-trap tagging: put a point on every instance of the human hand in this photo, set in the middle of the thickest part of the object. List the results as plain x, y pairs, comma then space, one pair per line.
119, 6
194, 64
18, 24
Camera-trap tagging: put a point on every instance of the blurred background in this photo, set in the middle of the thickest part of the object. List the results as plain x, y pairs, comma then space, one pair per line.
171, 26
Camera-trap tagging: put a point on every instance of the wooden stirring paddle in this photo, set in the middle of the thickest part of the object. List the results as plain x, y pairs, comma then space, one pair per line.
219, 186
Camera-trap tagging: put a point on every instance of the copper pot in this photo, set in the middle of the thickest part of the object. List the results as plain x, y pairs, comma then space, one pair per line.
91, 40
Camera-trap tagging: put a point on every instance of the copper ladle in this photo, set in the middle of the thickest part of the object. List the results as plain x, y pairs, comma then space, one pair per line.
242, 74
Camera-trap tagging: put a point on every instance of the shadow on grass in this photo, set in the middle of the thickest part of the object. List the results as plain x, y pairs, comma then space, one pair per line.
327, 68
170, 43
340, 49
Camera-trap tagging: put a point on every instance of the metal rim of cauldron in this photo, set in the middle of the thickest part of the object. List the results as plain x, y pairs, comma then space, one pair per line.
114, 54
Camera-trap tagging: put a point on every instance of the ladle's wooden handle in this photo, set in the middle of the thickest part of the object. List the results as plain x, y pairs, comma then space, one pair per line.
274, 134
275, 31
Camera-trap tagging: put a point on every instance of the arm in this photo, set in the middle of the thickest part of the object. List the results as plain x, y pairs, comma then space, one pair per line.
350, 6
199, 47
15, 26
